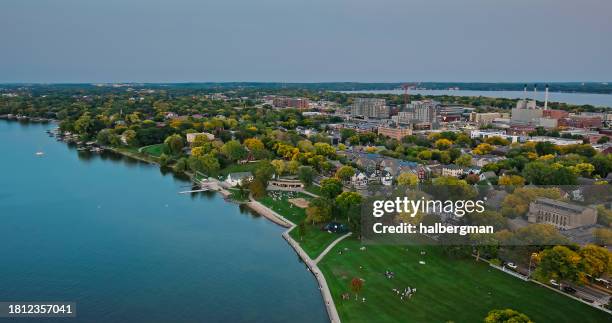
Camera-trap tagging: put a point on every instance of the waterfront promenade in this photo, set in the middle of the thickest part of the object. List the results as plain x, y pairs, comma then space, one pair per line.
310, 263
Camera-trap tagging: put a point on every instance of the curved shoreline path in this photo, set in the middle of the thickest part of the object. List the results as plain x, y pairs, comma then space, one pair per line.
312, 264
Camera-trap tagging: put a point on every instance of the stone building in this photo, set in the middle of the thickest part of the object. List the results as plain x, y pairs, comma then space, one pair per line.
562, 215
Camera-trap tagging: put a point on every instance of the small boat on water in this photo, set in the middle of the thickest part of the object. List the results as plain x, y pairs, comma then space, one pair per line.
39, 153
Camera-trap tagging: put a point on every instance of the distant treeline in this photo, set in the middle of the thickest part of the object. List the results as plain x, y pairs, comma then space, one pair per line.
587, 87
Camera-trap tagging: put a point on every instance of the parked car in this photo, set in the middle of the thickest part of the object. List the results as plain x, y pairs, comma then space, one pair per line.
569, 290
602, 281
512, 265
554, 283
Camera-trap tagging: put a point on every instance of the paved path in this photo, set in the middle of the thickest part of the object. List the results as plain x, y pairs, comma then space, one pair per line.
311, 264
333, 244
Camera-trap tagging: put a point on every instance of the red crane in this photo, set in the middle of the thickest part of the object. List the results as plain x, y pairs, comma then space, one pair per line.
406, 87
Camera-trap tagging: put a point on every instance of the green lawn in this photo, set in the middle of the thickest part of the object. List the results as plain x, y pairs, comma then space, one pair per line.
237, 168
315, 240
447, 289
237, 195
153, 150
284, 208
314, 189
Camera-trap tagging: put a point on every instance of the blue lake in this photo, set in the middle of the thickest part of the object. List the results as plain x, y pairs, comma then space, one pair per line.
114, 236
598, 100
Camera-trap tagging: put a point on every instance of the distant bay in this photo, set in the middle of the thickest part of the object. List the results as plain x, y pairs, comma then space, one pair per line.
598, 100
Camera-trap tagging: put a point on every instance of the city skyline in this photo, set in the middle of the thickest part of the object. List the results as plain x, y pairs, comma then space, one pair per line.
298, 41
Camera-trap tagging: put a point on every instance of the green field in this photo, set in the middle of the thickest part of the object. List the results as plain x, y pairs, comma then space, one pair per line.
315, 240
238, 168
447, 289
314, 189
153, 150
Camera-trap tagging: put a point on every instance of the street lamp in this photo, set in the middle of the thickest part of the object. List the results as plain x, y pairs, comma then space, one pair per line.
533, 255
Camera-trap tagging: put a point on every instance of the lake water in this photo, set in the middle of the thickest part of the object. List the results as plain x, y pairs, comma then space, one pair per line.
604, 100
114, 236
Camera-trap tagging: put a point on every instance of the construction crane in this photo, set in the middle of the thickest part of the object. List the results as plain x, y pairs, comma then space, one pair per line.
406, 87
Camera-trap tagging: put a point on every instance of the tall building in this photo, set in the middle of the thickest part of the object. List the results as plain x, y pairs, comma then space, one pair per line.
420, 113
370, 108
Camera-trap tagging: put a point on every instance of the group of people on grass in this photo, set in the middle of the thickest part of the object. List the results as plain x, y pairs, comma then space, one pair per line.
406, 293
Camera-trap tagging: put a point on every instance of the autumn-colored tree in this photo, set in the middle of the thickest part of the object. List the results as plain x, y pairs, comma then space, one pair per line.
356, 285
506, 316
443, 144
407, 179
483, 149
595, 260
345, 173
511, 180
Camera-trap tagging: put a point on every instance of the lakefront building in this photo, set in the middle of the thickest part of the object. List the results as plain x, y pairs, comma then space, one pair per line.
562, 215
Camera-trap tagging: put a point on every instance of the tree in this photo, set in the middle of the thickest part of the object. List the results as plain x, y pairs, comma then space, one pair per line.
324, 149
603, 236
163, 160
233, 150
560, 263
130, 138
319, 210
582, 169
443, 144
511, 180
407, 179
175, 144
464, 160
256, 148
84, 125
301, 227
506, 316
356, 285
264, 172
105, 137
482, 149
257, 188
207, 164
181, 165
306, 175
542, 173
497, 140
603, 140
345, 173
595, 260
279, 166
347, 202
293, 166
331, 187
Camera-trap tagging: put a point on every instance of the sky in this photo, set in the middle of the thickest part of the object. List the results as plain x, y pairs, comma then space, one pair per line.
72, 41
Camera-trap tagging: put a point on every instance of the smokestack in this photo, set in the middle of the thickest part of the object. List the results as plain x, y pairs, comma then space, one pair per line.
546, 98
535, 95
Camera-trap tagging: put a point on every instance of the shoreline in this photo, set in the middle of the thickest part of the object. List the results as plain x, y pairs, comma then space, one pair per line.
275, 218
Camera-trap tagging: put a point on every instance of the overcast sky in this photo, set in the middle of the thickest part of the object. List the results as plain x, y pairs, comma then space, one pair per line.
305, 40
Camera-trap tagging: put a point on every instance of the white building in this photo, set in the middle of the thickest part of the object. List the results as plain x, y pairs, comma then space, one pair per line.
235, 179
482, 134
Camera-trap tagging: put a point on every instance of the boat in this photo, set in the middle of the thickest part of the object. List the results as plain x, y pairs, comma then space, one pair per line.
39, 153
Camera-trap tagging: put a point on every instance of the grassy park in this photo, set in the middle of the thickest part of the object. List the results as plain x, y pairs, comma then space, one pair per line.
314, 240
447, 289
153, 150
